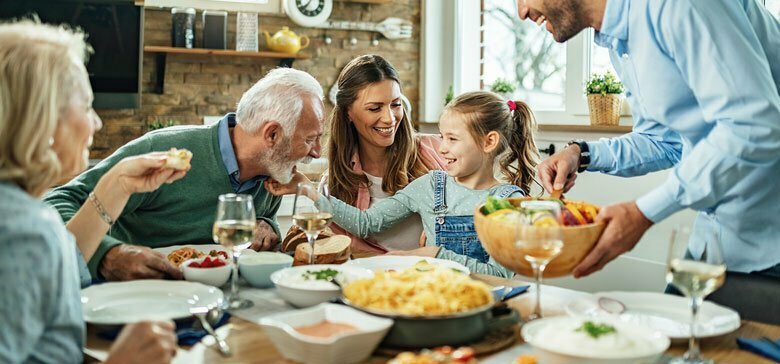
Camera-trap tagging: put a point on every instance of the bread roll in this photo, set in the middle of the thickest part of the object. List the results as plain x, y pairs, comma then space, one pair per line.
178, 159
332, 250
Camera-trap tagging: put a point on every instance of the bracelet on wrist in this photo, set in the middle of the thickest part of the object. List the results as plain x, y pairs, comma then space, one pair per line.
100, 209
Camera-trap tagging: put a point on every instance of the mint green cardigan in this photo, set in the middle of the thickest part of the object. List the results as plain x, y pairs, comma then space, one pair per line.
180, 213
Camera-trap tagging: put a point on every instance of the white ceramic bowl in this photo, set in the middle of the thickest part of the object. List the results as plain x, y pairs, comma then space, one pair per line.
544, 336
257, 268
341, 348
293, 288
214, 276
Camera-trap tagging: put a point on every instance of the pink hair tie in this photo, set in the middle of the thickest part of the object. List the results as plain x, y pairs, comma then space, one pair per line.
512, 105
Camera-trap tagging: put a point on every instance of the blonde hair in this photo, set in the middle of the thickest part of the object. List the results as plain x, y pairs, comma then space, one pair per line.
40, 66
485, 112
404, 162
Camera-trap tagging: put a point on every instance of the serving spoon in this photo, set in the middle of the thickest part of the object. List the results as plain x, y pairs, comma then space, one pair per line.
201, 313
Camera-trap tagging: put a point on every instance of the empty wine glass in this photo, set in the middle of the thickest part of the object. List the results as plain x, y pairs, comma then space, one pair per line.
312, 217
540, 239
695, 278
234, 228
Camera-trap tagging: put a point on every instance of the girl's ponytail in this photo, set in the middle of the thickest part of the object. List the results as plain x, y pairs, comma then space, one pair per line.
522, 148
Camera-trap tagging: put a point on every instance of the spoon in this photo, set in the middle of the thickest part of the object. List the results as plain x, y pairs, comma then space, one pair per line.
201, 313
611, 305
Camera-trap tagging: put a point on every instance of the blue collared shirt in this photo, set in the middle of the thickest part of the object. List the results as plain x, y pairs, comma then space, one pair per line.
703, 82
229, 157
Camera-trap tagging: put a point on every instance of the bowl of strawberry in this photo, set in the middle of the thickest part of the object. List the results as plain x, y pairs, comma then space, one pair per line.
210, 270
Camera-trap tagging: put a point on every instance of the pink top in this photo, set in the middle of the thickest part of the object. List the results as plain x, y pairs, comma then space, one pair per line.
429, 151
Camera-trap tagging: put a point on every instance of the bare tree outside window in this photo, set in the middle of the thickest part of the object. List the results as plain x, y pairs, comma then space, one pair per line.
523, 53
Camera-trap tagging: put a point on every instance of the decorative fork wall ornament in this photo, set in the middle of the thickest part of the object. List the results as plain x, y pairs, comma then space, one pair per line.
390, 28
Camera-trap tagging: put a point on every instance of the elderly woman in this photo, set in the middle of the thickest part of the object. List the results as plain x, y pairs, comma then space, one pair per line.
373, 151
46, 126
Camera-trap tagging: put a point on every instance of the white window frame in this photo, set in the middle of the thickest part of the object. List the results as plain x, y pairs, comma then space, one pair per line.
451, 55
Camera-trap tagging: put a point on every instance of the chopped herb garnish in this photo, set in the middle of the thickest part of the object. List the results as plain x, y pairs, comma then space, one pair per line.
595, 330
322, 275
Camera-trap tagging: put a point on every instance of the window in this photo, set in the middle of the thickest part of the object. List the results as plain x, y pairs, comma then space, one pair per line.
548, 75
528, 58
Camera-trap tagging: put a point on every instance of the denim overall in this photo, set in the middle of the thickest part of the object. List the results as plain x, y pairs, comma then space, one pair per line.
457, 233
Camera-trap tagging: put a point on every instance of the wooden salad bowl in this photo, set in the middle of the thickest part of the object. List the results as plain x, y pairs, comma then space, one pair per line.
499, 237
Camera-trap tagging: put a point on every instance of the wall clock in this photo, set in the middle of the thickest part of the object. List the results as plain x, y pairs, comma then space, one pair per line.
308, 13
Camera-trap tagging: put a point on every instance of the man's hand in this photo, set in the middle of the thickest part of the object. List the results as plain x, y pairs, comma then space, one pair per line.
265, 237
144, 343
126, 262
625, 226
559, 171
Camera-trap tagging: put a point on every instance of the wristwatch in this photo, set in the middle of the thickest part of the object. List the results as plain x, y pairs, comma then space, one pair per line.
584, 154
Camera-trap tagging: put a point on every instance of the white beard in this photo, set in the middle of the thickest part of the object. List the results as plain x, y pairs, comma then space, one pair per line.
280, 167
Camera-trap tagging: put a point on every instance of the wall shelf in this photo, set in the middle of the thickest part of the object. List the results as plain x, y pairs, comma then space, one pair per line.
285, 59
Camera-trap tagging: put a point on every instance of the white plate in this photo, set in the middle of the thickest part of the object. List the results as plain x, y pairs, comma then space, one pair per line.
203, 248
383, 263
665, 313
126, 302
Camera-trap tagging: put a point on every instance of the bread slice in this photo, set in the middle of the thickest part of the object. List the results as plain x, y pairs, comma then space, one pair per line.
332, 250
178, 159
295, 236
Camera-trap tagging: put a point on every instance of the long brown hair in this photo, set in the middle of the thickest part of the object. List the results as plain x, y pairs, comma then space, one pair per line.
486, 112
404, 163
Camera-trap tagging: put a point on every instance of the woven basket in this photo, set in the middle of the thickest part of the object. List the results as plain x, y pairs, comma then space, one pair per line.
605, 109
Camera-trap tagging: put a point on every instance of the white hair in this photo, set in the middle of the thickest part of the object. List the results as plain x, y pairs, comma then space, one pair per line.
279, 96
40, 67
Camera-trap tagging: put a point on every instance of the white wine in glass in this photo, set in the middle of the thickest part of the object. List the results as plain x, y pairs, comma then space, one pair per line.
312, 216
695, 278
234, 228
539, 244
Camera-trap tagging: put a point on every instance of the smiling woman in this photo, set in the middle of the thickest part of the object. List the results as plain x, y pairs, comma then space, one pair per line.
373, 149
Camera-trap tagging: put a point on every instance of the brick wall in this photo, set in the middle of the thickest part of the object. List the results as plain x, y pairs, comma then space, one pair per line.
198, 86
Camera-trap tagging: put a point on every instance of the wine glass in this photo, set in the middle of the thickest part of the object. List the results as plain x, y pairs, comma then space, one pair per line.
234, 228
540, 239
695, 278
312, 217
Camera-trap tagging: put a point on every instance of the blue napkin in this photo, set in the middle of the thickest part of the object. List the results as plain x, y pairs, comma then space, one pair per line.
187, 335
515, 291
760, 347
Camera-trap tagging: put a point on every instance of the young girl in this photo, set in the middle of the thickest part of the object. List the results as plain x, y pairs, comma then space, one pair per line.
478, 129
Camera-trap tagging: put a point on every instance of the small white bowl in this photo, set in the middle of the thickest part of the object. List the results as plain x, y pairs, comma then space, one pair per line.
341, 348
257, 268
543, 335
214, 276
298, 292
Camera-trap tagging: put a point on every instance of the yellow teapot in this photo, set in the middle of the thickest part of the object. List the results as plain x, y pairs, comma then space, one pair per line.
286, 41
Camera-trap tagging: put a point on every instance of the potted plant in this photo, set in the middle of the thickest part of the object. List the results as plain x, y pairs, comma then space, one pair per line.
605, 99
504, 88
158, 124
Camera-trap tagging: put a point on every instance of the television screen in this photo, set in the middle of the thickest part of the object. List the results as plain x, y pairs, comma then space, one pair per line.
114, 30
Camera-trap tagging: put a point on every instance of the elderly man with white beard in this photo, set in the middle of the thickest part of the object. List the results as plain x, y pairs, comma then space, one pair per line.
278, 123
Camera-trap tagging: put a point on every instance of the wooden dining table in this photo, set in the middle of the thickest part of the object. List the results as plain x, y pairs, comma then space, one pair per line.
250, 344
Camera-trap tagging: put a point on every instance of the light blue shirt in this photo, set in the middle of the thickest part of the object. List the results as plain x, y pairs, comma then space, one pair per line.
702, 80
229, 156
40, 301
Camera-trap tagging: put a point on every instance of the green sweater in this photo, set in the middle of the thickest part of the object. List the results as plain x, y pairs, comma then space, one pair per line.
179, 213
